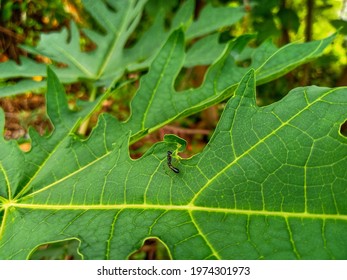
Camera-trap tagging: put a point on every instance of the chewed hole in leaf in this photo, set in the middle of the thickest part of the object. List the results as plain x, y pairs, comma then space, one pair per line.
343, 129
190, 78
152, 249
23, 112
63, 250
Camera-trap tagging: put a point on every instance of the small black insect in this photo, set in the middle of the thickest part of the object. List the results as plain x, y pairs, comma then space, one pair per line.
169, 158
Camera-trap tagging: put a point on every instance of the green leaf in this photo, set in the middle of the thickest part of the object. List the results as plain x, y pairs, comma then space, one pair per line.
156, 89
65, 124
212, 18
270, 184
204, 51
22, 86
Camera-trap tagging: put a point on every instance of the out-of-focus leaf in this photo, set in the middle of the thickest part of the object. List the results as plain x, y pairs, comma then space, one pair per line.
111, 57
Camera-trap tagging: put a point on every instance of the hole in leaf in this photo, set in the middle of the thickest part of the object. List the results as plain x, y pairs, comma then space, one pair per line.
343, 129
63, 250
195, 129
152, 249
22, 112
190, 78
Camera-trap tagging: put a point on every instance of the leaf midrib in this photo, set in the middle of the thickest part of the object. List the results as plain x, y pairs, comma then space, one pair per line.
186, 208
73, 60
116, 39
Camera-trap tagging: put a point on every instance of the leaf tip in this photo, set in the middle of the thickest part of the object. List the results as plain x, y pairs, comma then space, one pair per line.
246, 87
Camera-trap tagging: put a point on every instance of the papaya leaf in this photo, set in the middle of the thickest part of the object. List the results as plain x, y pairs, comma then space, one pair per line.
156, 89
270, 184
65, 123
111, 57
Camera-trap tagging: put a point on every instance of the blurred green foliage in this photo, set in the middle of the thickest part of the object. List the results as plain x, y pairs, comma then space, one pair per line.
283, 21
26, 19
286, 21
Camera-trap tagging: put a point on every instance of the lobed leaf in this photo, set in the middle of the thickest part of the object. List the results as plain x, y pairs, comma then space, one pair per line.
111, 57
156, 89
270, 184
